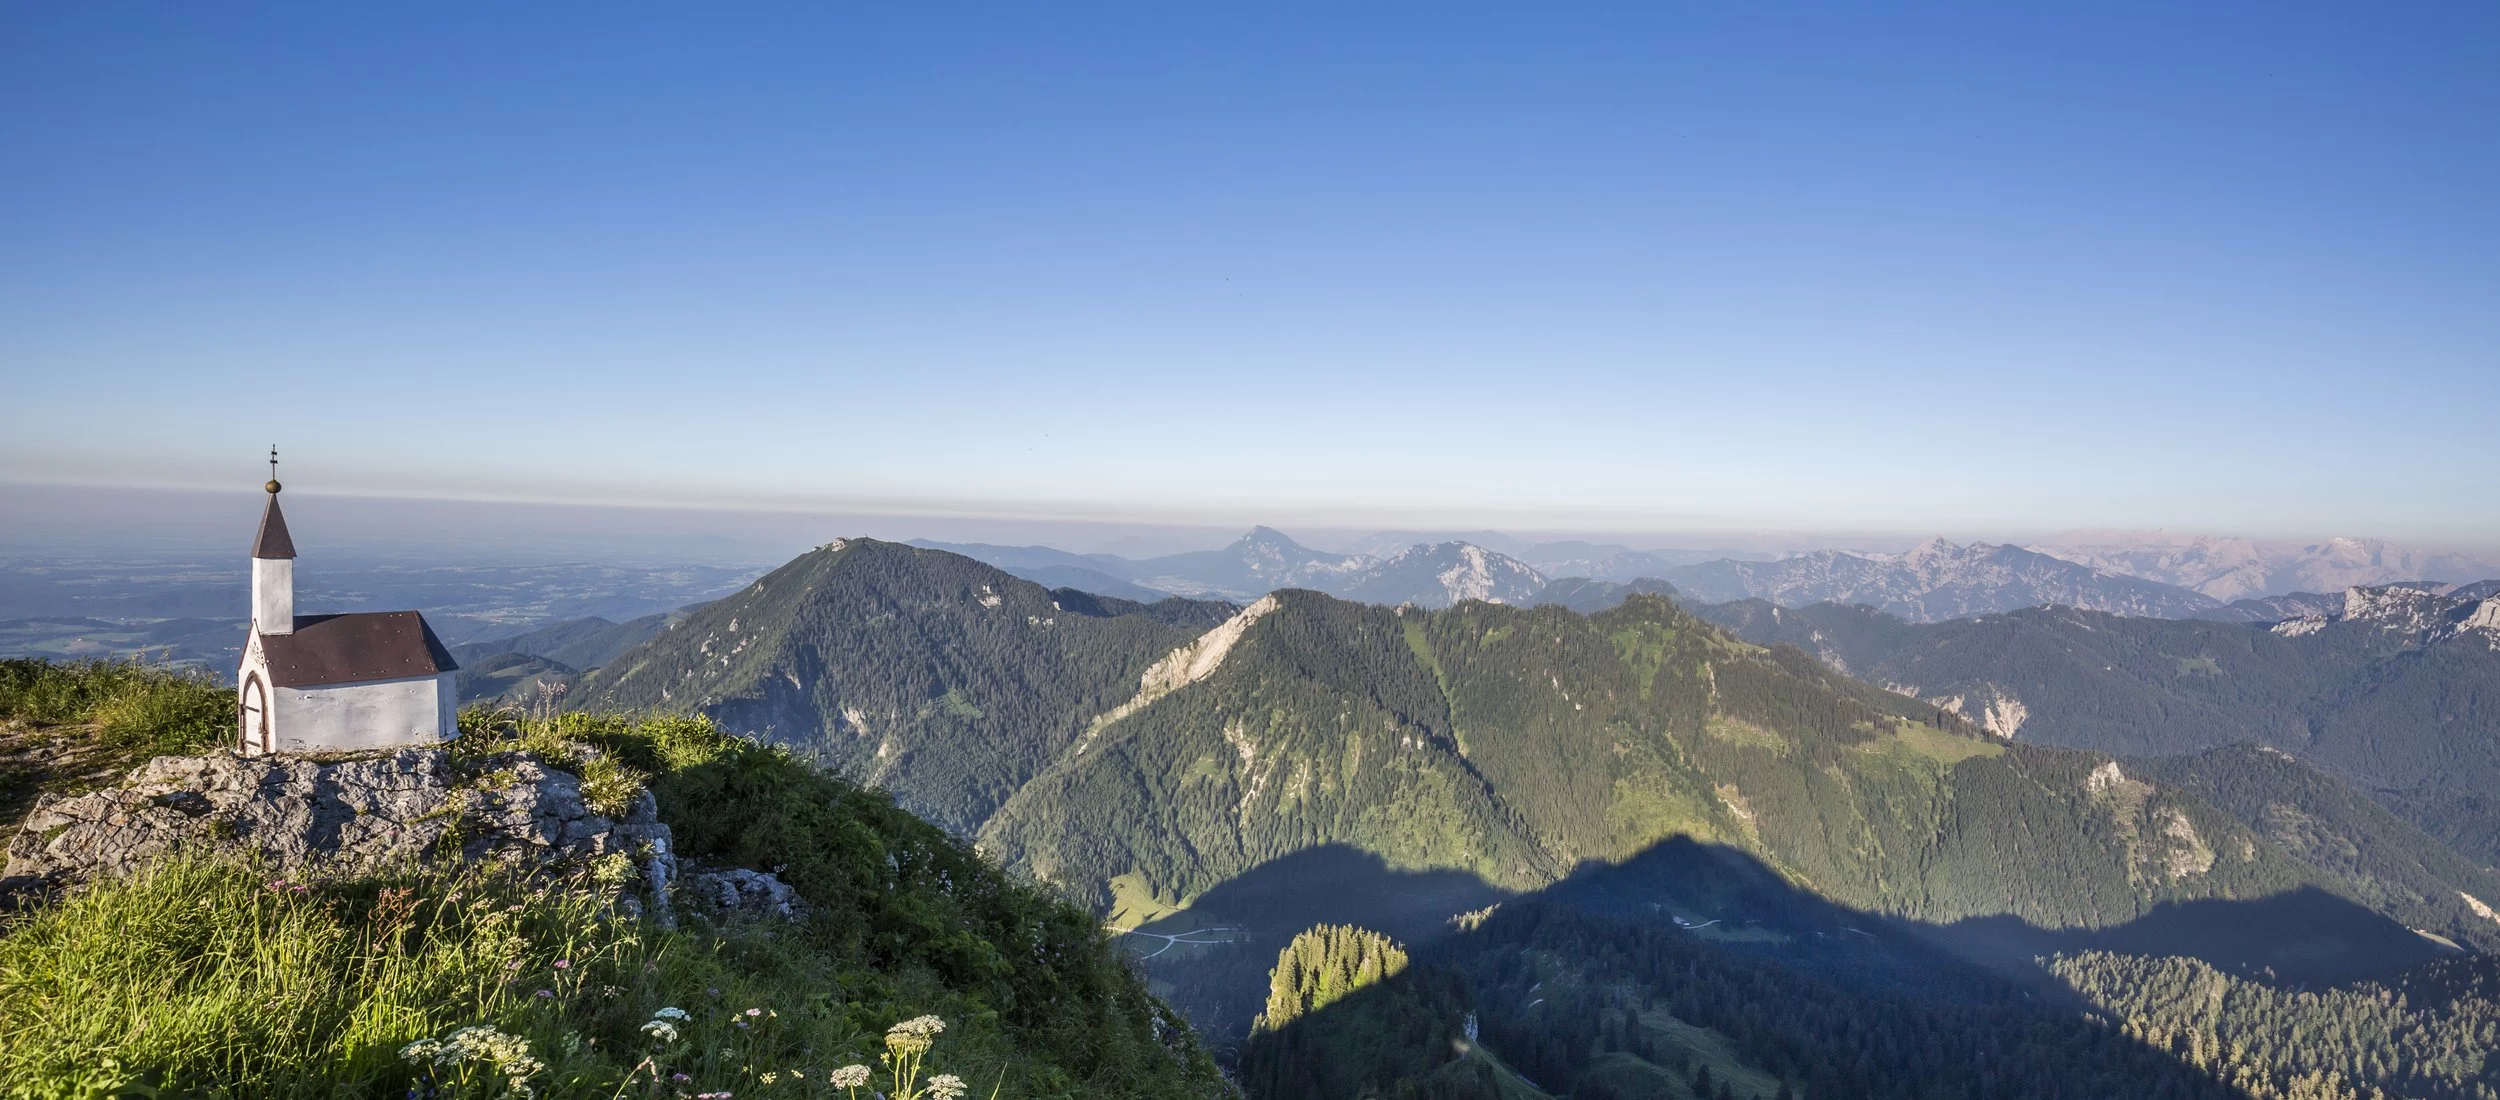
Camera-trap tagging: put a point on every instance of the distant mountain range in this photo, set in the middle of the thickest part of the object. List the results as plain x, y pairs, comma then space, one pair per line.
1938, 580
2228, 568
1267, 560
1932, 582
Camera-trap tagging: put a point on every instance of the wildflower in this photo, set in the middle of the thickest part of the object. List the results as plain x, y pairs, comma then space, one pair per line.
564, 964
769, 1078
680, 1078
850, 1077
544, 993
678, 1014
911, 1038
755, 1012
508, 1054
661, 1030
926, 1027
945, 1086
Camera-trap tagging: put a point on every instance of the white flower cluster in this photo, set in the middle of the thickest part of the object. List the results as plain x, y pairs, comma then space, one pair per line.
923, 1027
663, 1024
850, 1077
945, 1086
480, 1043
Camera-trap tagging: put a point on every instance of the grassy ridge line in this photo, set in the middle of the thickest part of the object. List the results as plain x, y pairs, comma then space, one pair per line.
205, 977
137, 707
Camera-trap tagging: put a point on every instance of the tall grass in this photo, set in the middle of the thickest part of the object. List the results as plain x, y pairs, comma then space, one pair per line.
205, 977
140, 707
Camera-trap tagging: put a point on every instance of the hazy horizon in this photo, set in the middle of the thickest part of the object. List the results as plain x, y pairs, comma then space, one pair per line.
63, 518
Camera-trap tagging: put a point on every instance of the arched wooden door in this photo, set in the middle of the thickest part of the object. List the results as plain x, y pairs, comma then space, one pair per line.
253, 734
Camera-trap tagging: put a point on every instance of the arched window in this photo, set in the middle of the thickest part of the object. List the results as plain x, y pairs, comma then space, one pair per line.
253, 713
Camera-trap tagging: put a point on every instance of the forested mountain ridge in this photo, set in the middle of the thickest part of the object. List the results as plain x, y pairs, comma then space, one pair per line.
943, 680
1179, 745
1517, 744
2399, 694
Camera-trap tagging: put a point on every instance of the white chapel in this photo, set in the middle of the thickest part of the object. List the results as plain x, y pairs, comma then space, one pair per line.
316, 683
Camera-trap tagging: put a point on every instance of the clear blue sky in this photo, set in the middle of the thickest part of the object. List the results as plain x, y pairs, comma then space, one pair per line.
2211, 266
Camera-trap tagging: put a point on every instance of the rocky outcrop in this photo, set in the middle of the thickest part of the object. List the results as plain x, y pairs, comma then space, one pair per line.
344, 814
744, 894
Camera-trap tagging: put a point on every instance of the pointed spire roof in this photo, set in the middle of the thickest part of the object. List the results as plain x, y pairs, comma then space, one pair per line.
273, 542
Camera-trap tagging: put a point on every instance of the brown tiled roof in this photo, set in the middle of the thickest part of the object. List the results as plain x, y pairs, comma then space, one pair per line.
273, 541
340, 649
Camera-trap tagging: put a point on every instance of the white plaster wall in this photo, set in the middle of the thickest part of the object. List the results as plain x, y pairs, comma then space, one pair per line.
273, 595
418, 710
254, 661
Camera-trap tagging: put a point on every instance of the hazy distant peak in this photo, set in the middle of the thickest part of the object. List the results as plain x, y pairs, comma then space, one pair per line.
2234, 568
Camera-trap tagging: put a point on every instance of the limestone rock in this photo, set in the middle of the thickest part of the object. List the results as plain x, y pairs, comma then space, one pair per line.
338, 813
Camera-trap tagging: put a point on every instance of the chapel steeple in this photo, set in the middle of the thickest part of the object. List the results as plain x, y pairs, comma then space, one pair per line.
273, 565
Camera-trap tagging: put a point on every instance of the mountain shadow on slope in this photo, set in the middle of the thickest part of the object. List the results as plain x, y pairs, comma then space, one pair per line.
2308, 936
1221, 988
1337, 884
1729, 900
2305, 935
1694, 958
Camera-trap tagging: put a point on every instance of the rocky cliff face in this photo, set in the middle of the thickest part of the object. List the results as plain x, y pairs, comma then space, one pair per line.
343, 814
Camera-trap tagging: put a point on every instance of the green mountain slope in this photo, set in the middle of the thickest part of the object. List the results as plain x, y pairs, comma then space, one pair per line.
2373, 855
1516, 744
1241, 774
1146, 754
2408, 715
940, 679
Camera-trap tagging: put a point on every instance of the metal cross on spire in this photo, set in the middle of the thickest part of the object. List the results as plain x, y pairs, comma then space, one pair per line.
273, 468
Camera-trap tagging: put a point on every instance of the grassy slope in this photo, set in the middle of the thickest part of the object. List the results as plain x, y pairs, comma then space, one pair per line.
202, 978
934, 676
1515, 744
